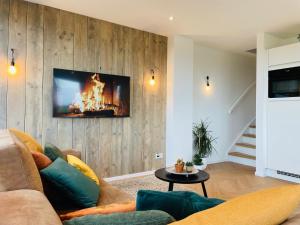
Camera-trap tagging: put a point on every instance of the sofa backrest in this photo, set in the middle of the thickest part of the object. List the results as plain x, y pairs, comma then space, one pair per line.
17, 167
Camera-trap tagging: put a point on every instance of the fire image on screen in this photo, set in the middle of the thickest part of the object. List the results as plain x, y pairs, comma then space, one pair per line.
86, 94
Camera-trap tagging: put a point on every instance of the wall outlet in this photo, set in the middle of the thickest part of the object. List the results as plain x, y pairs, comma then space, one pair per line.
159, 155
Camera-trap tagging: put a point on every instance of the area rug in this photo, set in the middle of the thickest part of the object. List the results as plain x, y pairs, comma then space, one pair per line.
132, 185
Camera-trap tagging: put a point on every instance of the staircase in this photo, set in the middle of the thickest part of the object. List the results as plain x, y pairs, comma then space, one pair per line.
244, 150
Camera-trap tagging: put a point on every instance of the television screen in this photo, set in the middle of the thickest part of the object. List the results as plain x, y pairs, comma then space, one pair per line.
85, 94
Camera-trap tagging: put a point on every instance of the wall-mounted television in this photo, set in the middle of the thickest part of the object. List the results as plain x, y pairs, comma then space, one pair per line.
79, 94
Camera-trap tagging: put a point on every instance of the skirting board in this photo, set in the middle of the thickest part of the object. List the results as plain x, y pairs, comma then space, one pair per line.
273, 173
141, 174
128, 176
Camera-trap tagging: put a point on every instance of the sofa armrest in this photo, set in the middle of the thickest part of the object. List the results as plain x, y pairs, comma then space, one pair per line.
26, 207
72, 152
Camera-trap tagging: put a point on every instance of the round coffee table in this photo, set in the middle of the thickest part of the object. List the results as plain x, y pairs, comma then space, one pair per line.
199, 177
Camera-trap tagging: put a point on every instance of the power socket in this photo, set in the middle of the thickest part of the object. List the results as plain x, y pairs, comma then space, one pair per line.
159, 155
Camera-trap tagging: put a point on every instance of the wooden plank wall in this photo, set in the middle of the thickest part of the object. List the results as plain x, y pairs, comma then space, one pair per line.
45, 38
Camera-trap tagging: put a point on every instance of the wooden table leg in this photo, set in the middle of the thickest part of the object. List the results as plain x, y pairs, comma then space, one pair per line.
171, 184
204, 189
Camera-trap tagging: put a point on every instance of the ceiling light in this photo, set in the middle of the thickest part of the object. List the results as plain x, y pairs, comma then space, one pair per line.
171, 18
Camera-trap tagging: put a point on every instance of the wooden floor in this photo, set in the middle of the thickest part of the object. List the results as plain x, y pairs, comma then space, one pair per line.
228, 180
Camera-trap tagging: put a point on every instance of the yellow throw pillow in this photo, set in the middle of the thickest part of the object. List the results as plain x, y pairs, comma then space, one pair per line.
267, 207
85, 169
27, 140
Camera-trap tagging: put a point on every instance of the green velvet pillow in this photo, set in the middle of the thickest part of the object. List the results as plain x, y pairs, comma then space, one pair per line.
53, 152
178, 204
81, 189
151, 217
58, 200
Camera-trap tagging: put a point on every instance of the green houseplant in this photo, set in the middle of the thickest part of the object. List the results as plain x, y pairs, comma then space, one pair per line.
203, 144
189, 166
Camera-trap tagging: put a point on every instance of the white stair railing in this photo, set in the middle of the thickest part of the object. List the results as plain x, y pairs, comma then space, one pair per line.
238, 100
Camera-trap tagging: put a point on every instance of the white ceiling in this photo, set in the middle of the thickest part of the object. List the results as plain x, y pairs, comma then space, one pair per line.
226, 24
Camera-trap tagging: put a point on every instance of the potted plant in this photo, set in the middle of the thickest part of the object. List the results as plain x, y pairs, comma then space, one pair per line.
203, 144
189, 166
179, 166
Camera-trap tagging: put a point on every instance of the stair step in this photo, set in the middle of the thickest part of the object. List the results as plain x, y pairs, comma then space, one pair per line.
242, 155
246, 145
242, 161
252, 126
250, 135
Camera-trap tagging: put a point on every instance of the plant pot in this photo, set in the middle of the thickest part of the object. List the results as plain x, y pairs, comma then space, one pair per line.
203, 166
189, 169
179, 168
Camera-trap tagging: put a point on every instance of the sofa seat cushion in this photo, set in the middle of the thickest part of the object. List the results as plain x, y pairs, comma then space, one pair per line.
179, 204
17, 167
110, 194
152, 217
267, 207
26, 207
74, 184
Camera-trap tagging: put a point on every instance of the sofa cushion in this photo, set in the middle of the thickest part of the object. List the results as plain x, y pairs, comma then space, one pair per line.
179, 204
82, 167
267, 207
27, 139
111, 194
58, 199
26, 207
152, 217
101, 210
17, 167
81, 189
41, 160
53, 152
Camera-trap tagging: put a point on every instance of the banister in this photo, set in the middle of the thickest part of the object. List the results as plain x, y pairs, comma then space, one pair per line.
237, 101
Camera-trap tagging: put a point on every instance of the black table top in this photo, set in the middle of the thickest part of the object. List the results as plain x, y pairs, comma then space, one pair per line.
199, 177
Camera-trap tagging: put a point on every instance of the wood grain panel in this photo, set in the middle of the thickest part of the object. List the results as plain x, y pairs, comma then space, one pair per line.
65, 40
16, 84
118, 54
104, 57
92, 130
51, 60
80, 63
137, 113
47, 38
126, 129
34, 71
4, 15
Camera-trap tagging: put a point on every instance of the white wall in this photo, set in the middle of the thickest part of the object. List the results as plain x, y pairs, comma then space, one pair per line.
230, 74
179, 99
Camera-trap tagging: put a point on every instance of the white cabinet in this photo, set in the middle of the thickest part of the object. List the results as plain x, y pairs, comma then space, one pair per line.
284, 55
283, 152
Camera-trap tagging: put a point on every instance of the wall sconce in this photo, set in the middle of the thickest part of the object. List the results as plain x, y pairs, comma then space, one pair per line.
207, 81
12, 70
152, 81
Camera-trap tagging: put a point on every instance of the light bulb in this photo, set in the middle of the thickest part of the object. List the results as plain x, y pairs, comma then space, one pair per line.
152, 81
12, 70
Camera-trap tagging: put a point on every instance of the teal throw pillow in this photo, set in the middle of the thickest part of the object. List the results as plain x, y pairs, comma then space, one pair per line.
53, 152
83, 191
151, 217
57, 198
178, 204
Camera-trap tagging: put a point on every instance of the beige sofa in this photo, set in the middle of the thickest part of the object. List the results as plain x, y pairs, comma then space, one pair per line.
22, 201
